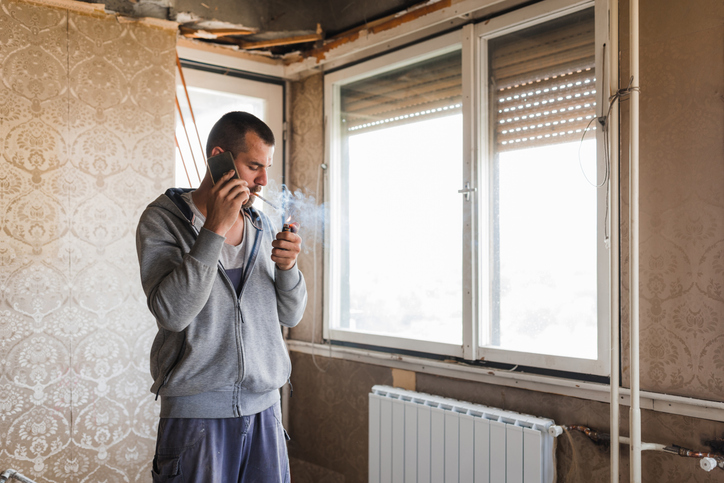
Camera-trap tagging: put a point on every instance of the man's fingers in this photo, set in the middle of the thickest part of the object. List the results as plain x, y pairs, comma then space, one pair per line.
231, 187
287, 241
286, 249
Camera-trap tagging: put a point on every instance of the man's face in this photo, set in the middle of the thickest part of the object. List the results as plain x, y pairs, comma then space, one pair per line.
254, 163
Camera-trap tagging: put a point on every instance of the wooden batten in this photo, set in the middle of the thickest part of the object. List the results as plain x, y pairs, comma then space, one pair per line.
297, 39
192, 33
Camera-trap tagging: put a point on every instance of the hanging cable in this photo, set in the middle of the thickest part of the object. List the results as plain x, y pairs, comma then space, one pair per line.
191, 110
602, 121
193, 158
183, 161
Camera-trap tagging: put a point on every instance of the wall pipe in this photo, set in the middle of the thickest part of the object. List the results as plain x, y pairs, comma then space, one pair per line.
635, 418
14, 475
615, 250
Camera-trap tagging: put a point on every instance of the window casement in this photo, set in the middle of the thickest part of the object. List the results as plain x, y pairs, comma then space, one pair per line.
467, 194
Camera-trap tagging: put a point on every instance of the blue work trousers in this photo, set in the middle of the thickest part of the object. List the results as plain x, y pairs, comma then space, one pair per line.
249, 449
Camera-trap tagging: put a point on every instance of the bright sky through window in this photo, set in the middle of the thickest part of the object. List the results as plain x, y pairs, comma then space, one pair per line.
405, 230
547, 250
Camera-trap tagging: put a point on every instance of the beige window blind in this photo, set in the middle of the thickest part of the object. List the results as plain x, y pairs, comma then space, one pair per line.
423, 90
542, 83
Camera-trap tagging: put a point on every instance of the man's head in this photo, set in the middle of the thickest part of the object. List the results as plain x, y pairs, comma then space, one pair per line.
229, 132
250, 141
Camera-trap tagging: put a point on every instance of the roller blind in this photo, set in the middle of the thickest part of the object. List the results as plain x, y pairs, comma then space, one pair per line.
542, 82
422, 90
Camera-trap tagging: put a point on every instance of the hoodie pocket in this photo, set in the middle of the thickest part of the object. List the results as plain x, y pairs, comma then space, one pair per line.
167, 375
267, 374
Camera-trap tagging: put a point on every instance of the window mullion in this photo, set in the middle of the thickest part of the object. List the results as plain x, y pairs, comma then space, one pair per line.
470, 198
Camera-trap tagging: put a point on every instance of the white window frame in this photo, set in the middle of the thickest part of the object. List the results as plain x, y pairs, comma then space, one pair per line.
332, 84
477, 149
517, 20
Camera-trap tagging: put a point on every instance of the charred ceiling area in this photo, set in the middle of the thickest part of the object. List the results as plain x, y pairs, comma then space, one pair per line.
271, 27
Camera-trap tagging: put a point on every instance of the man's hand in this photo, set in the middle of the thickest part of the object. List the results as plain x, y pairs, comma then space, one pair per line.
286, 248
224, 203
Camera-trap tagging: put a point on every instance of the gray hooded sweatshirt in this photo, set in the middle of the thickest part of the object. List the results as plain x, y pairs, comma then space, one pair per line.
216, 354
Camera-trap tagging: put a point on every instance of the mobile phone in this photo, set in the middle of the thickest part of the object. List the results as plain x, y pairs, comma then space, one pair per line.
222, 164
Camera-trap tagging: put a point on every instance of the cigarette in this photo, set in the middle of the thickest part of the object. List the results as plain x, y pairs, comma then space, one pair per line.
265, 200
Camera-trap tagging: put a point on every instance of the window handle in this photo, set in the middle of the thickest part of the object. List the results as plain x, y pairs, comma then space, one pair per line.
467, 190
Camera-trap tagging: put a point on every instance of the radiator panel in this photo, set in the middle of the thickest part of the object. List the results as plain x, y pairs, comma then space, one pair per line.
374, 438
417, 437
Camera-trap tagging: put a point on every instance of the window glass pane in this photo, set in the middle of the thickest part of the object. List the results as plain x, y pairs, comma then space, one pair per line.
402, 240
544, 212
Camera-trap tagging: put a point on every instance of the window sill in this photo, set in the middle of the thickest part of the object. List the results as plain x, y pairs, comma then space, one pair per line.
664, 403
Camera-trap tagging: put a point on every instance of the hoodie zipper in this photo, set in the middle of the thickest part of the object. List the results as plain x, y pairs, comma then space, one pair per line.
248, 267
247, 270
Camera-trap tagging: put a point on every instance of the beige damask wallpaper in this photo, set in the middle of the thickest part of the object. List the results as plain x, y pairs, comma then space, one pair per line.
86, 123
682, 196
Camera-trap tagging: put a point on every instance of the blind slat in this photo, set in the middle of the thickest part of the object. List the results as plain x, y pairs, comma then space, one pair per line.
428, 88
417, 96
543, 83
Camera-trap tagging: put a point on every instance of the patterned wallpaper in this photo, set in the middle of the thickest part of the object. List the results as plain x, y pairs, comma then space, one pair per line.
306, 153
86, 122
681, 200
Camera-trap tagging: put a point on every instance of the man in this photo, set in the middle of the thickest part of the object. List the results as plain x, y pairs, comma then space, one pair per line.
220, 281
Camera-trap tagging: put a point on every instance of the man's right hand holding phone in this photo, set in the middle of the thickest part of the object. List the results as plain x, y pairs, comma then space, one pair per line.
224, 203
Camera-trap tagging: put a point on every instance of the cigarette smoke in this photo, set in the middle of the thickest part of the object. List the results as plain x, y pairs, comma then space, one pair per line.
299, 207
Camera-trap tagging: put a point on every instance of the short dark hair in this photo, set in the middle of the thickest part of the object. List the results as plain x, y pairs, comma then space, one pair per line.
229, 132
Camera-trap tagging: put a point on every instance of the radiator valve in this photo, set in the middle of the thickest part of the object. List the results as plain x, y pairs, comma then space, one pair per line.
555, 431
707, 464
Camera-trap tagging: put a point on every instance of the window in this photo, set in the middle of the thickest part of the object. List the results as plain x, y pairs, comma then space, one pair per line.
398, 246
498, 255
213, 95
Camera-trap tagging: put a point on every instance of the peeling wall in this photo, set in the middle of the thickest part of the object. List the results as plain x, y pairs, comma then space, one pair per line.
329, 428
86, 122
682, 269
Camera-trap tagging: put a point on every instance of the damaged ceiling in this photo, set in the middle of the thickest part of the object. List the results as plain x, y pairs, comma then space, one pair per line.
272, 27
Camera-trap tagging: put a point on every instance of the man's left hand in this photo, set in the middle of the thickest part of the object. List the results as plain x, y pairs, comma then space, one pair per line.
286, 248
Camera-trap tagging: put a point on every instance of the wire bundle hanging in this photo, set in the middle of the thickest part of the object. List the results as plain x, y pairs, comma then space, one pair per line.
185, 129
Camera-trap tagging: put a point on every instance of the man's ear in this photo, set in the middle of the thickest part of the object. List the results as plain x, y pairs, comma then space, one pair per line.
216, 150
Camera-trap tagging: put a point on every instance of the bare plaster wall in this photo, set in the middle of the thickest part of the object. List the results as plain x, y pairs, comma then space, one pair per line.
329, 427
682, 271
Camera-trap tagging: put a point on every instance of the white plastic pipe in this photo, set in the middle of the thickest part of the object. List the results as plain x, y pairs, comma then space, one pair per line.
635, 418
614, 240
644, 446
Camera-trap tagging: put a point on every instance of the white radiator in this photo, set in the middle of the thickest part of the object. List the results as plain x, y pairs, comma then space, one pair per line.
416, 437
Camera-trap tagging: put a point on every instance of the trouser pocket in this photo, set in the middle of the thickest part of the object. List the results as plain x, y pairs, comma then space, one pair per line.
165, 468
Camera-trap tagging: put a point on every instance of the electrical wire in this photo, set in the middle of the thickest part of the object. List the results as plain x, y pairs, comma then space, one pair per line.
188, 140
603, 121
191, 110
574, 455
604, 125
183, 161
